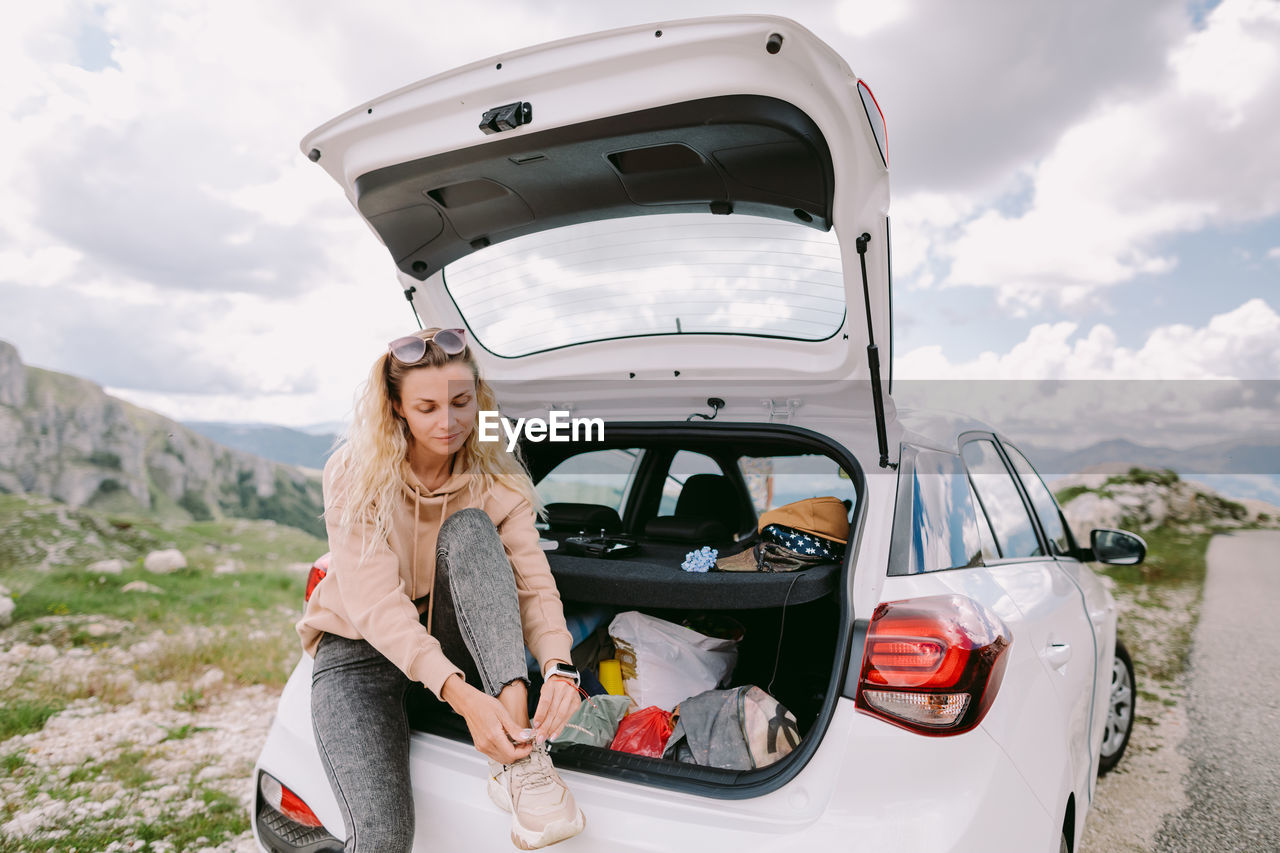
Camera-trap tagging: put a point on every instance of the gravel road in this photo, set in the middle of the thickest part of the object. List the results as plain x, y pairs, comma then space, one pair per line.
1233, 707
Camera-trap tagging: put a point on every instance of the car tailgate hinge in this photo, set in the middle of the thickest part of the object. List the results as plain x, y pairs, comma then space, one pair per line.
781, 413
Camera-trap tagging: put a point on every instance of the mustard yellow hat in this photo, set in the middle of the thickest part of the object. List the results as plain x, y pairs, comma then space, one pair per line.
824, 516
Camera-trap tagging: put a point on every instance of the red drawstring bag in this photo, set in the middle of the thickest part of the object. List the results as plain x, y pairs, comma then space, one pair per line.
645, 732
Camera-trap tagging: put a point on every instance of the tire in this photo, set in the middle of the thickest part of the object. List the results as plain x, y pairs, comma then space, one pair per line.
1120, 711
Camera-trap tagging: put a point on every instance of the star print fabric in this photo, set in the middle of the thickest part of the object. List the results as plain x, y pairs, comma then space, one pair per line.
801, 542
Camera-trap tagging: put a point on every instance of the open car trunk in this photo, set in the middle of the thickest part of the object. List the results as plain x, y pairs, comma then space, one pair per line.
796, 625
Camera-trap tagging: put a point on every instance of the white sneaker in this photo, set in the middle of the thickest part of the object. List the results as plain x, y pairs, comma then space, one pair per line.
542, 809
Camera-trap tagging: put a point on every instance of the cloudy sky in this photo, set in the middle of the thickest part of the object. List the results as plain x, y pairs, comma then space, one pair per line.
1080, 190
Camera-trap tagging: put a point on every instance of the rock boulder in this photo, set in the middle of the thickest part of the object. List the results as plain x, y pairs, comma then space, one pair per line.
164, 562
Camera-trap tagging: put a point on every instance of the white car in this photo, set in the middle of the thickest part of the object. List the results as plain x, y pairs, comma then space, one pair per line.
682, 230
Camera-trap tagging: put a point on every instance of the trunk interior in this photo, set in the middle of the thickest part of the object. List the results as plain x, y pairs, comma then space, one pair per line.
673, 489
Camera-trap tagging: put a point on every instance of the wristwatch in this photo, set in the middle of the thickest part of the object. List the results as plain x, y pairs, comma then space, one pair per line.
564, 671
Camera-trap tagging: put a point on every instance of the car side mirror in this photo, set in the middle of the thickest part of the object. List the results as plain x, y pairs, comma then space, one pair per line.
1117, 547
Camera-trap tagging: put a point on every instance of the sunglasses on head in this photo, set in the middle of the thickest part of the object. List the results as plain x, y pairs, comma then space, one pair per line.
411, 349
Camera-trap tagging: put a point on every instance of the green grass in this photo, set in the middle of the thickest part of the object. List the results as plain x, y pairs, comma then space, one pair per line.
245, 629
1070, 493
246, 617
128, 768
20, 716
182, 732
1143, 476
190, 596
222, 819
190, 700
30, 526
88, 772
1174, 557
195, 595
1176, 561
12, 763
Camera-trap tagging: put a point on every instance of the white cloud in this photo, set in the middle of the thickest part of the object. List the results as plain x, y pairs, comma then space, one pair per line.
970, 90
862, 18
160, 225
289, 409
1139, 170
920, 221
1062, 388
1274, 254
1240, 344
1233, 61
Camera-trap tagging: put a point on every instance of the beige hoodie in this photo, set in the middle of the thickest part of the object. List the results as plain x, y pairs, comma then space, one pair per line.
381, 599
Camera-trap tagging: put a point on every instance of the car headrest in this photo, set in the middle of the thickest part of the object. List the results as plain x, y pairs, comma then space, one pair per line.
672, 528
591, 518
710, 496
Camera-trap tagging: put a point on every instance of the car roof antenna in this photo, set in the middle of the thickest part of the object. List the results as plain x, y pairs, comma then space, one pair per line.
408, 295
873, 358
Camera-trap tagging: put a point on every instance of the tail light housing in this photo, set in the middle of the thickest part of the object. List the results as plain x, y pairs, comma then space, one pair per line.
285, 801
319, 569
932, 665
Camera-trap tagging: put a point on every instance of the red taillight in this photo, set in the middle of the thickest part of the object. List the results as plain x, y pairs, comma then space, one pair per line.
286, 802
932, 665
319, 569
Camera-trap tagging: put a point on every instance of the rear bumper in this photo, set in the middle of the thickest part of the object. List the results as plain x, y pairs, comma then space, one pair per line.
276, 833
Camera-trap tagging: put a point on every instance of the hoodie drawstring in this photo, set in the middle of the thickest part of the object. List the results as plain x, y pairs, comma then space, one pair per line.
413, 559
431, 594
413, 566
417, 521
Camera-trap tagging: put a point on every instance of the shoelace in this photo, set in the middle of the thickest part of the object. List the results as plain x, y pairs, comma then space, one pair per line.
534, 771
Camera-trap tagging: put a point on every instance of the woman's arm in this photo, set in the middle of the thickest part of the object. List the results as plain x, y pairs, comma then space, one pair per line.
375, 599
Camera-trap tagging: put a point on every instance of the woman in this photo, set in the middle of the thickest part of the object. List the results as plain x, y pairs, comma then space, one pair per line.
436, 577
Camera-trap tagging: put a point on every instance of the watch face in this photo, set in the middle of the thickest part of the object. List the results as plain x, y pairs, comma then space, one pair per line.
564, 671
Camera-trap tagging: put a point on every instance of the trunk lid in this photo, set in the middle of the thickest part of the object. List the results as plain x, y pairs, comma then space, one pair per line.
679, 199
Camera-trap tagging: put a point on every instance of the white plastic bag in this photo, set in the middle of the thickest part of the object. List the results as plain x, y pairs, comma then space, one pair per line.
664, 663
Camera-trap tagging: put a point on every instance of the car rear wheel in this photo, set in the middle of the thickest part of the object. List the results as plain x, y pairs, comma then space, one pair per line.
1119, 711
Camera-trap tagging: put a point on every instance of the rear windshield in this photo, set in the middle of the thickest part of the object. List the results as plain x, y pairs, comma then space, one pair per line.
651, 275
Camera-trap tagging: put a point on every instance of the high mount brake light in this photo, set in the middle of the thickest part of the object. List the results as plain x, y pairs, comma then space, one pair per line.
286, 802
932, 665
319, 569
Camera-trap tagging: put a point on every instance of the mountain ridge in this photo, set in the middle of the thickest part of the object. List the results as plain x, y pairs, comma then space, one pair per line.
65, 438
291, 445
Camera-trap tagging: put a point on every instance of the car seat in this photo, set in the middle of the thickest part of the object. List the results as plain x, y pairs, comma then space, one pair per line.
706, 511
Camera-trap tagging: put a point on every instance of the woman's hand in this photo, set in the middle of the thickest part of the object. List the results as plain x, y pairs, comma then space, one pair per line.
493, 731
556, 704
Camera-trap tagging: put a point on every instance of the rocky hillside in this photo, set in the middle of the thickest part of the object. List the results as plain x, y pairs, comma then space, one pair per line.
1140, 499
65, 438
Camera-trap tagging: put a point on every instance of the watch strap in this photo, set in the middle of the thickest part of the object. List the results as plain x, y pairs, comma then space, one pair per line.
563, 670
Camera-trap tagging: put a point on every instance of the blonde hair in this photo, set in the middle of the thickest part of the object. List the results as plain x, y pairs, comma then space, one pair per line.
378, 441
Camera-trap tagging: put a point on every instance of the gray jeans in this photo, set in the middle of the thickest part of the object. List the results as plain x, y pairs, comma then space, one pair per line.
357, 695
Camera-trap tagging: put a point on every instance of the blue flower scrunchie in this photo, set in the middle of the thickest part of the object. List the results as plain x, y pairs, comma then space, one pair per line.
700, 560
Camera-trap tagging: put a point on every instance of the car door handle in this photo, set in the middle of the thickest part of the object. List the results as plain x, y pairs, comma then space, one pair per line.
1057, 654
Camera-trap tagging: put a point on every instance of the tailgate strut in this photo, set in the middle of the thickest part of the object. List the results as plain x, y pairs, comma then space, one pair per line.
873, 358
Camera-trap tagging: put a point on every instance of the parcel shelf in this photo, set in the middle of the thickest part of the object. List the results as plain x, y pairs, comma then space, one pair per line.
637, 582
